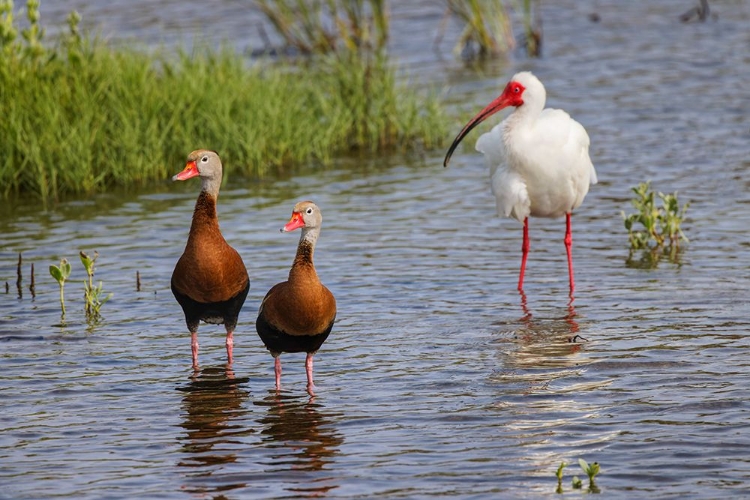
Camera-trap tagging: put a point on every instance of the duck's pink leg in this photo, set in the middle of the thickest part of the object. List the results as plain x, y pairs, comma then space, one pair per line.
230, 346
277, 371
309, 370
569, 249
525, 252
194, 348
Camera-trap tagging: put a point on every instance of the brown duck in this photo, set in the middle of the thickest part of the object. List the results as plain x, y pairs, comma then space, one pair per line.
210, 280
298, 314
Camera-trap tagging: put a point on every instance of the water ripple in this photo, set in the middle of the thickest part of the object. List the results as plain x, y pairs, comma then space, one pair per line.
438, 378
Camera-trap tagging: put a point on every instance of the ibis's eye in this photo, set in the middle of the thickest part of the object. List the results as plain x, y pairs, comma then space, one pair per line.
516, 89
309, 210
204, 159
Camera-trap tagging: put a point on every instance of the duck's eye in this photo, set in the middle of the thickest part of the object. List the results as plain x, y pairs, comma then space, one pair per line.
204, 159
309, 210
517, 90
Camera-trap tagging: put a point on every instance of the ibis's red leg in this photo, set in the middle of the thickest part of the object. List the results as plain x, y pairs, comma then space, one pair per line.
525, 252
277, 371
194, 348
569, 248
230, 346
309, 370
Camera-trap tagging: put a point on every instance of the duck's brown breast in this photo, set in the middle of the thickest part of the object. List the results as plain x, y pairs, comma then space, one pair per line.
299, 309
209, 270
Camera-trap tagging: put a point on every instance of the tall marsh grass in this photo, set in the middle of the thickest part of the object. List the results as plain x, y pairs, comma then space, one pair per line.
488, 27
81, 117
321, 26
486, 24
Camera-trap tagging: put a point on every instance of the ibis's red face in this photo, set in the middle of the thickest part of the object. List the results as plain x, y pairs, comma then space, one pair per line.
511, 96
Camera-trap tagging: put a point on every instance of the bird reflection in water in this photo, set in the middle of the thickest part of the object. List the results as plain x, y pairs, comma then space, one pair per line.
301, 438
544, 342
569, 318
212, 405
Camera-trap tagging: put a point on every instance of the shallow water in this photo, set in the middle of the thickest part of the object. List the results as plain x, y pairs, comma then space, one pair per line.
439, 379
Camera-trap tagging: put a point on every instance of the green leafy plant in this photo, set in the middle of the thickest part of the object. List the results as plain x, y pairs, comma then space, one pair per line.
652, 227
61, 273
92, 294
591, 471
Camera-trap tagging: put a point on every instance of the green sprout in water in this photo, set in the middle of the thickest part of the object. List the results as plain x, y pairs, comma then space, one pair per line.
661, 229
92, 294
591, 471
559, 475
61, 274
576, 483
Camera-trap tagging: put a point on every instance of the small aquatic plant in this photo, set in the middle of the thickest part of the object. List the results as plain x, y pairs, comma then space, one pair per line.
660, 229
92, 294
61, 273
559, 475
591, 471
576, 483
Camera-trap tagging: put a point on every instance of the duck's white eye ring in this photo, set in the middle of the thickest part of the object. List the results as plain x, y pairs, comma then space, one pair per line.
309, 210
204, 159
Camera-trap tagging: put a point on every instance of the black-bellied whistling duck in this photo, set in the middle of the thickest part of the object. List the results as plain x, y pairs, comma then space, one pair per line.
298, 314
210, 280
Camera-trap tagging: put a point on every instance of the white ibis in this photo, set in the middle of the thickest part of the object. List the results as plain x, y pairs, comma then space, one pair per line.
538, 159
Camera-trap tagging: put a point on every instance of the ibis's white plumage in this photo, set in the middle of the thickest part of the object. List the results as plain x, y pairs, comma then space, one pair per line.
538, 158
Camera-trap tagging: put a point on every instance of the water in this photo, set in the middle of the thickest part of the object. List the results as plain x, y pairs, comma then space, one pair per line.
438, 378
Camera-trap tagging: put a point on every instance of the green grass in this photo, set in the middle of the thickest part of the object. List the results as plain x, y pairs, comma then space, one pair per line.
320, 26
487, 24
82, 117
